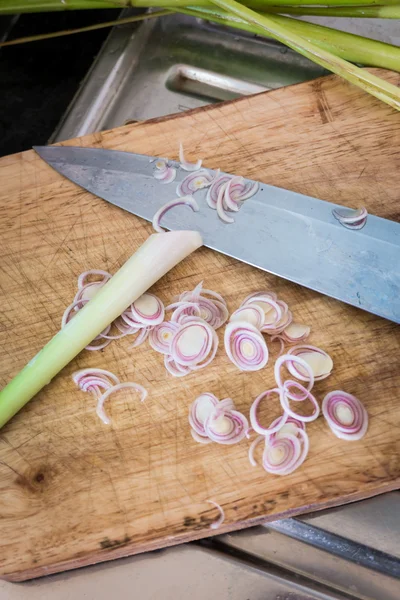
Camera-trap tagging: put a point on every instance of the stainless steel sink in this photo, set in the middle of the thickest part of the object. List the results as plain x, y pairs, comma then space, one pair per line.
352, 552
174, 64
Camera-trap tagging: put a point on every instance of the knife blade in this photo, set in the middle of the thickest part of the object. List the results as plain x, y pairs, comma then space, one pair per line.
285, 233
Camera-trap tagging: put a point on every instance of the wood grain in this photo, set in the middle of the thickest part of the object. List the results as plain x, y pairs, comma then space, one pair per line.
73, 491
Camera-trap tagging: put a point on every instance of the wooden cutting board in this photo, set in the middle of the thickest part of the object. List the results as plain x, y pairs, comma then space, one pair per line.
74, 491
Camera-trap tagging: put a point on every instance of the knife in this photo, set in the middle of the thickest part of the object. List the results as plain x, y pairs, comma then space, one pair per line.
279, 231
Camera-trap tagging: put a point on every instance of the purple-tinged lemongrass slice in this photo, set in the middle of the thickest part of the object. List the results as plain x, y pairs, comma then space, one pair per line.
160, 337
350, 218
345, 415
186, 165
182, 201
319, 361
252, 314
120, 386
216, 524
255, 423
245, 346
295, 333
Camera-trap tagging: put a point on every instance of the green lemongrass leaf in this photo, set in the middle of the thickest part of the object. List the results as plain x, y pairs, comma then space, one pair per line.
387, 92
28, 6
262, 4
361, 12
349, 46
46, 36
354, 48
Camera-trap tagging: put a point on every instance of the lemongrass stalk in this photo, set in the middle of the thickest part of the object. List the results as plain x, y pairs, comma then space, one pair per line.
29, 6
261, 4
355, 48
384, 91
351, 47
160, 253
47, 36
361, 12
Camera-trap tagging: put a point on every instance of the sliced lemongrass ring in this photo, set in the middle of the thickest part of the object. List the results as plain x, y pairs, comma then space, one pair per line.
213, 295
268, 293
194, 182
253, 414
174, 368
167, 176
82, 279
291, 426
148, 310
213, 191
188, 166
249, 190
245, 346
272, 311
252, 448
288, 386
275, 326
183, 309
141, 337
207, 360
226, 426
281, 341
161, 164
296, 332
160, 337
252, 314
286, 406
226, 404
351, 219
281, 454
291, 359
187, 200
220, 206
216, 524
120, 386
200, 410
86, 379
345, 414
318, 360
88, 291
232, 193
305, 445
193, 342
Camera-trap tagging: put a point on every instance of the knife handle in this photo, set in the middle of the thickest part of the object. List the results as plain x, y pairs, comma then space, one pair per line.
160, 253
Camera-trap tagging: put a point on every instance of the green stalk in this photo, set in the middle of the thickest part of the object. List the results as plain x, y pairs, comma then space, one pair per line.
26, 6
261, 4
46, 36
160, 253
348, 46
351, 47
361, 12
387, 92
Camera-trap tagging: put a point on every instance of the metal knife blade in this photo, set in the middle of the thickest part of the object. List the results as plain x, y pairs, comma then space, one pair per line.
282, 232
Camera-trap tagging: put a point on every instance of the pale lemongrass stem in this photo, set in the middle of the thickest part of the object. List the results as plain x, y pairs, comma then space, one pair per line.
160, 253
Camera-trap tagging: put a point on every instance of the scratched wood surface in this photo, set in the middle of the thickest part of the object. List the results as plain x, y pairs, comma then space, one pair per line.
75, 492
